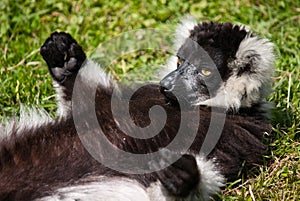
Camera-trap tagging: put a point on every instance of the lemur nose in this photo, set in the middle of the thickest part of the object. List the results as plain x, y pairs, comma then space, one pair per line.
167, 85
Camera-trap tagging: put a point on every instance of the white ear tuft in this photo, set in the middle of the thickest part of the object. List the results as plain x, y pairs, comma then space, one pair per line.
183, 29
252, 71
259, 53
182, 32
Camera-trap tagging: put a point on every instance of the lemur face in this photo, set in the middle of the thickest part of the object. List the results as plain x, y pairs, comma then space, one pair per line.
219, 64
197, 75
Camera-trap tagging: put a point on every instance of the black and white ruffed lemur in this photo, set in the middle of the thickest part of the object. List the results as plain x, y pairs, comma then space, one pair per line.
44, 159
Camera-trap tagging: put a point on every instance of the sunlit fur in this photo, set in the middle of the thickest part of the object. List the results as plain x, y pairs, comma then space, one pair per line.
44, 159
249, 67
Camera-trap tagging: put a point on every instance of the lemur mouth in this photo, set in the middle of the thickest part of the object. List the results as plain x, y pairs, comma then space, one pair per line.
168, 93
184, 100
171, 99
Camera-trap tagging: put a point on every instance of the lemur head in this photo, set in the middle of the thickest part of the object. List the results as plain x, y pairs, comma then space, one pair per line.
219, 64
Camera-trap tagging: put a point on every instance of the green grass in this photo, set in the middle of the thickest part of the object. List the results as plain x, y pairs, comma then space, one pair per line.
24, 78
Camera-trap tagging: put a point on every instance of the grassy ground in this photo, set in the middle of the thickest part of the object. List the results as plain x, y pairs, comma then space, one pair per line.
24, 79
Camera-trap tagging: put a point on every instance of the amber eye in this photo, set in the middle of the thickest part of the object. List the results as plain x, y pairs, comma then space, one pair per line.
205, 72
178, 61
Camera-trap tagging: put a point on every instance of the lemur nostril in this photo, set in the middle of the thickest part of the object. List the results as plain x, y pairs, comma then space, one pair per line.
167, 92
163, 89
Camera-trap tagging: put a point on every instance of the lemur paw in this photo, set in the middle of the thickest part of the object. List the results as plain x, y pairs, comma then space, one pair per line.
63, 55
181, 177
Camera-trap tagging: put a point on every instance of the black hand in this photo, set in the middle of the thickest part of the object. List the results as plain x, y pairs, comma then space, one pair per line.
63, 55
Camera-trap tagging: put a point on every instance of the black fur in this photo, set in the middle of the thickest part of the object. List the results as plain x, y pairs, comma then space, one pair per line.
219, 38
217, 41
51, 156
64, 58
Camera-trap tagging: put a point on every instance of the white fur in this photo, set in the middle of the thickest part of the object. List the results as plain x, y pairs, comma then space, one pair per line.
242, 27
156, 191
211, 180
230, 94
63, 106
117, 189
94, 73
30, 117
123, 189
256, 85
181, 34
183, 30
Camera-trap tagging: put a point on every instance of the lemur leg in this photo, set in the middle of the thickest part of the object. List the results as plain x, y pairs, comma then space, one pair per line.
181, 177
64, 58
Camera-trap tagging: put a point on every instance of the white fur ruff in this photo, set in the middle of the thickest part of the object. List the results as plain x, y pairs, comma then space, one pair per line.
63, 106
211, 180
94, 73
108, 189
182, 32
30, 117
248, 88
